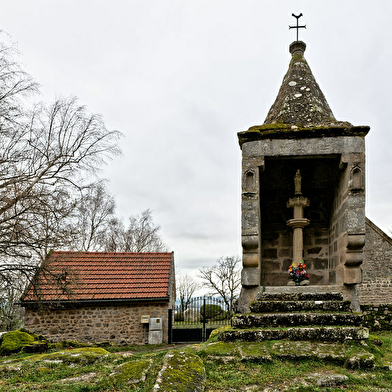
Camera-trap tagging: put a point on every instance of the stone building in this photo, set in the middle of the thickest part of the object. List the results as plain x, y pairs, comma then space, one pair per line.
97, 296
303, 194
376, 286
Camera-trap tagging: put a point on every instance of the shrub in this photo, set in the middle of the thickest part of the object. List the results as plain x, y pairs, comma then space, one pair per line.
212, 312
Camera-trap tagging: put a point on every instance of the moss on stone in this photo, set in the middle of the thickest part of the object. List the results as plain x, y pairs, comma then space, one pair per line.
361, 360
131, 372
220, 349
78, 355
15, 341
334, 352
183, 371
216, 332
254, 352
291, 131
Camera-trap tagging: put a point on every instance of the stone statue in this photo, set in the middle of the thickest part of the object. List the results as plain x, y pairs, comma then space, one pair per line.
297, 183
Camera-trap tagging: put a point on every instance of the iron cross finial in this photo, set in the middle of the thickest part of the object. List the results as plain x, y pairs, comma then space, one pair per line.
297, 27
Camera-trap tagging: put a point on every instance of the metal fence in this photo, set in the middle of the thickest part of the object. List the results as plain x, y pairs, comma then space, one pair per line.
193, 322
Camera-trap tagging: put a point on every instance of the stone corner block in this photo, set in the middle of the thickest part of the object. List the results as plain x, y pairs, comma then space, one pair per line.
250, 277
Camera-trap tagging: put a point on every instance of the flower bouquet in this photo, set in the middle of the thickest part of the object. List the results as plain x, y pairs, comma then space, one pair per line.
297, 272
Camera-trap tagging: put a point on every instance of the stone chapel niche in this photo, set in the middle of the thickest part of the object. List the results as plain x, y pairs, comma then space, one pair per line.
356, 178
249, 181
320, 178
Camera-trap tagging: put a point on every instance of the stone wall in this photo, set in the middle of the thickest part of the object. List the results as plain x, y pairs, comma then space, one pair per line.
337, 230
376, 287
333, 179
119, 324
377, 317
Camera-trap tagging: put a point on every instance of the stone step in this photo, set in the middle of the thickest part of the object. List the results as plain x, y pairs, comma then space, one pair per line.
265, 306
254, 320
299, 296
336, 352
320, 334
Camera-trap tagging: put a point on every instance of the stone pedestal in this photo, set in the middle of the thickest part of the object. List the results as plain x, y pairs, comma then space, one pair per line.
298, 223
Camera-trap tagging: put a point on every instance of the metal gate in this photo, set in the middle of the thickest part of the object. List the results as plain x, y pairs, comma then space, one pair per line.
195, 321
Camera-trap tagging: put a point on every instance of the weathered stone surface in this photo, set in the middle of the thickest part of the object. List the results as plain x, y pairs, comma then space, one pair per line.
250, 277
376, 287
303, 147
115, 323
77, 355
321, 334
294, 350
256, 320
300, 100
377, 317
131, 372
182, 371
88, 377
291, 306
308, 350
221, 349
299, 296
253, 352
326, 380
361, 360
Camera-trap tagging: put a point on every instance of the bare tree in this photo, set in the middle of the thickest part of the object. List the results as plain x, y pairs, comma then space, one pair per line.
95, 212
42, 163
141, 235
114, 237
11, 314
223, 279
186, 287
46, 157
15, 86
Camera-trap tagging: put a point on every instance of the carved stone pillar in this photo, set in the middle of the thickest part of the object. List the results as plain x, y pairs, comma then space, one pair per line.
298, 203
250, 229
250, 220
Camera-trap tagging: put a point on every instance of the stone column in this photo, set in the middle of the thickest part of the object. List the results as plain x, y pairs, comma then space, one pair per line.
250, 230
298, 203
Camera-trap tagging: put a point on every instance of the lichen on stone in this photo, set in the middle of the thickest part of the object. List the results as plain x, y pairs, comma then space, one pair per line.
131, 372
183, 371
78, 355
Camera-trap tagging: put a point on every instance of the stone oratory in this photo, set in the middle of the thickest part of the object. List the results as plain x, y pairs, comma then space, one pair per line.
303, 193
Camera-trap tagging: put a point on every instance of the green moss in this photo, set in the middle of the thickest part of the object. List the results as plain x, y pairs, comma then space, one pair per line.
78, 355
269, 127
216, 332
291, 131
131, 372
14, 341
255, 352
183, 371
297, 57
220, 349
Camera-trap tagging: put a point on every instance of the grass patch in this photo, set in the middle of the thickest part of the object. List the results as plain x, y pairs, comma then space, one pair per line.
19, 372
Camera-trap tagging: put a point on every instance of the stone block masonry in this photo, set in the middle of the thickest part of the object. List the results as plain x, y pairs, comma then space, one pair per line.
119, 324
376, 287
377, 317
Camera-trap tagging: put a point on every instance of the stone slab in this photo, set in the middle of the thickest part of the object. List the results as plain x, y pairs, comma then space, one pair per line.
320, 334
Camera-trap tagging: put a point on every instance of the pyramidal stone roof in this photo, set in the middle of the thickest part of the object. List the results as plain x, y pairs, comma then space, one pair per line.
300, 100
300, 109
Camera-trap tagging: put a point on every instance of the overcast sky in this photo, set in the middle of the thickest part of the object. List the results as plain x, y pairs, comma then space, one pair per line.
180, 78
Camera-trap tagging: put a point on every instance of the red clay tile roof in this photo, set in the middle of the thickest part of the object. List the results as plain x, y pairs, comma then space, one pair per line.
101, 276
